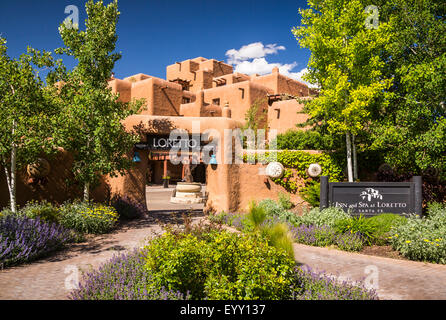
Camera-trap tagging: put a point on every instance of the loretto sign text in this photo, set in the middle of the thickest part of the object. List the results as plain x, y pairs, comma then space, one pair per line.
372, 198
157, 142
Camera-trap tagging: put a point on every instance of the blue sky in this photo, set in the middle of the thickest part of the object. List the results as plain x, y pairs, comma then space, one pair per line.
156, 33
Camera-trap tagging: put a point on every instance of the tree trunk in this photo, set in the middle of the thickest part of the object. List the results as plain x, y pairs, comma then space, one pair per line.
13, 181
11, 177
87, 191
355, 161
349, 157
8, 182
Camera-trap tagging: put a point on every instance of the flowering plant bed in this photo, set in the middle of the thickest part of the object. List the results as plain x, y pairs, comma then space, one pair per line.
389, 235
23, 239
211, 264
39, 229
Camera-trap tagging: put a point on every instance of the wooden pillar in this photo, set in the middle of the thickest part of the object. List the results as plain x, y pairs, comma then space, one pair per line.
166, 181
182, 171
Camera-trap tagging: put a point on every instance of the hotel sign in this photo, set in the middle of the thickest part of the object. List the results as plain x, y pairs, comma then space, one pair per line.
164, 142
372, 198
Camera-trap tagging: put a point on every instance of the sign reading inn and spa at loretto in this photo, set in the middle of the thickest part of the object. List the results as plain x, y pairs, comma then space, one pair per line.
372, 198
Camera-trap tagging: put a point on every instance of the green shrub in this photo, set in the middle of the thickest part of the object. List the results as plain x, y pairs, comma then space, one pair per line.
437, 212
385, 222
285, 201
275, 209
329, 217
305, 140
128, 208
88, 217
256, 214
366, 227
279, 236
422, 238
296, 164
43, 210
222, 265
311, 194
301, 160
6, 212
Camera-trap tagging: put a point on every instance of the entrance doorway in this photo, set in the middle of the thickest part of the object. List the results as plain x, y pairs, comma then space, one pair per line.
199, 173
156, 168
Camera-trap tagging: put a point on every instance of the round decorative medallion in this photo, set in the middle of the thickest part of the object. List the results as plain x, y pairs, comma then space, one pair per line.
314, 170
275, 170
39, 169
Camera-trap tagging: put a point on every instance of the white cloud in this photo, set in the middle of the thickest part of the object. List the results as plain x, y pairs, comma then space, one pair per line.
250, 59
252, 51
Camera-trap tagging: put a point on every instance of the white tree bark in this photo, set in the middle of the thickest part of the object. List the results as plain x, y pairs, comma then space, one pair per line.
355, 160
87, 192
349, 157
8, 182
13, 181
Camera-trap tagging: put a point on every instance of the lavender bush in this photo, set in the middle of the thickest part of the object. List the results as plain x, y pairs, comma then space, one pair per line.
312, 285
235, 220
349, 241
322, 236
122, 278
313, 235
23, 239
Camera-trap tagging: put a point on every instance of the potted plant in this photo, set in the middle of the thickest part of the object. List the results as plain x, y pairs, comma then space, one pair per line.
166, 181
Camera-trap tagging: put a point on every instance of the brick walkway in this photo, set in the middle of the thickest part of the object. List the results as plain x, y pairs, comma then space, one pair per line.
45, 279
394, 279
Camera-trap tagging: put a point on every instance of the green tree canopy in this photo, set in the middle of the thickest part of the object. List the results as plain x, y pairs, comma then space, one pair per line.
27, 111
346, 63
91, 123
411, 129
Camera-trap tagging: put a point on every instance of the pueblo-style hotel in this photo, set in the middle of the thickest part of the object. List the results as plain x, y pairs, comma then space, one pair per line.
197, 95
208, 91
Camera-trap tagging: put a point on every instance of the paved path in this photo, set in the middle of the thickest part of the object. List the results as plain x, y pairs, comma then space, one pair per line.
394, 279
45, 279
158, 200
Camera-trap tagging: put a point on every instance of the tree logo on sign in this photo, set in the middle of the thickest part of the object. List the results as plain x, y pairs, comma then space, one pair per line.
370, 194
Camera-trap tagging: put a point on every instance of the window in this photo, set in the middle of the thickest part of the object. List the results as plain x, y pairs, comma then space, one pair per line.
216, 101
186, 100
243, 92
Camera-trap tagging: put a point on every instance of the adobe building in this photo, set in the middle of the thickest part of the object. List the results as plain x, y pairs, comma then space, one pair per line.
199, 95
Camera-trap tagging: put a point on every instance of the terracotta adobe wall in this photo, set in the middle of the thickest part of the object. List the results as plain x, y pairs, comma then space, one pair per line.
199, 71
55, 188
210, 85
229, 79
282, 84
218, 183
230, 187
283, 115
247, 184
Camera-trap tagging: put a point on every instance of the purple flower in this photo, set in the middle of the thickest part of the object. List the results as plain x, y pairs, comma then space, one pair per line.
23, 239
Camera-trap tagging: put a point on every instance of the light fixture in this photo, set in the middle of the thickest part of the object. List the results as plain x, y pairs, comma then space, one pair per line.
213, 159
136, 157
